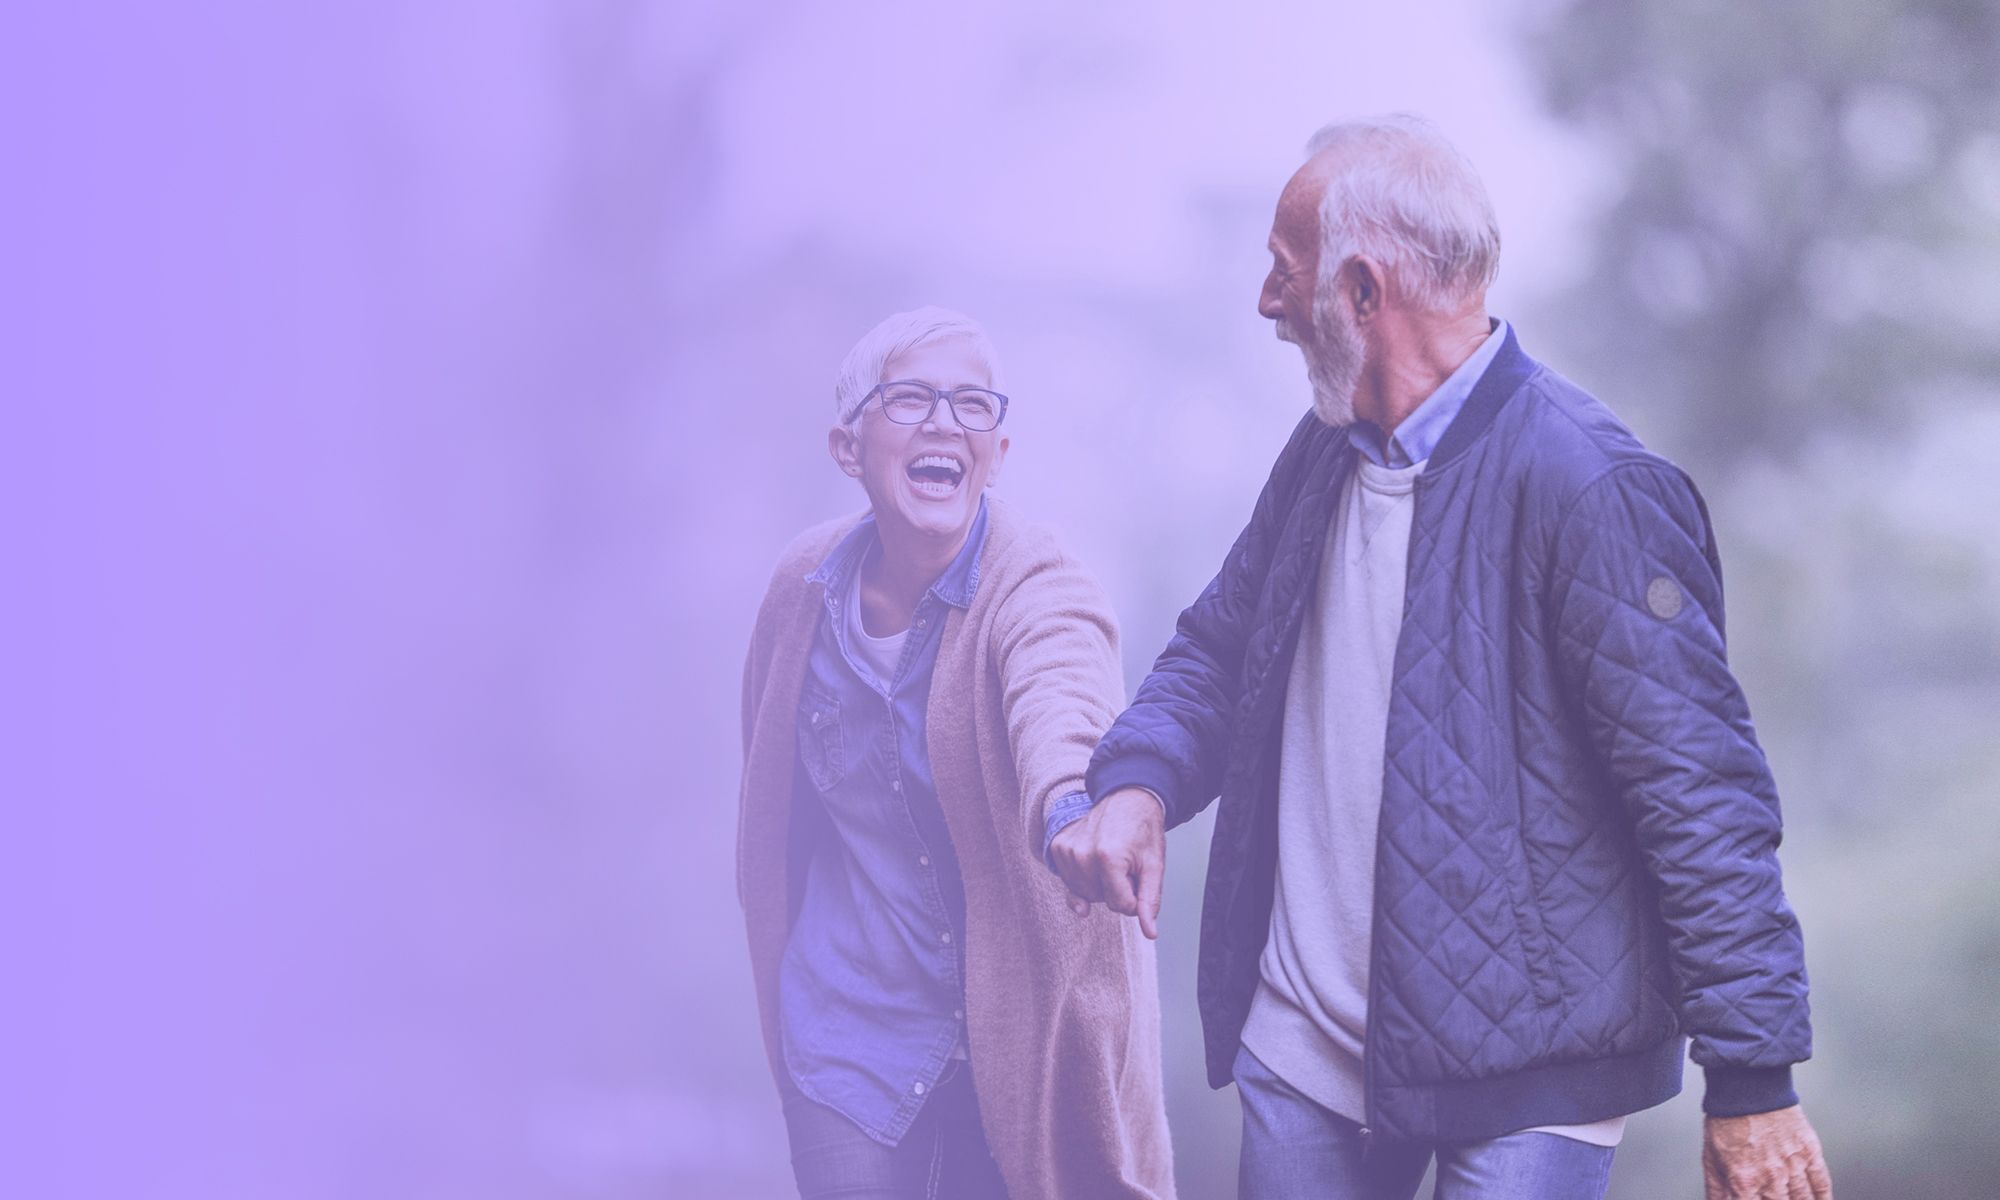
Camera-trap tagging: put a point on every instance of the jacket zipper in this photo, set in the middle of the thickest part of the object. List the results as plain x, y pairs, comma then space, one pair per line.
1370, 1116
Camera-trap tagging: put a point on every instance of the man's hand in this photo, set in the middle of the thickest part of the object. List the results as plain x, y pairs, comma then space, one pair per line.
1765, 1156
1116, 853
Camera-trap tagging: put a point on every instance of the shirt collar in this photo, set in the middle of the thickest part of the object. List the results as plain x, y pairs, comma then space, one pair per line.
954, 586
1421, 431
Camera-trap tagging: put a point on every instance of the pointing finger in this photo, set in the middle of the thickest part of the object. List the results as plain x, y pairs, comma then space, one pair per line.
1150, 875
1118, 893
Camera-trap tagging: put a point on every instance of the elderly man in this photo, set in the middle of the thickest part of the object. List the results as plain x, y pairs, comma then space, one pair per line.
1496, 838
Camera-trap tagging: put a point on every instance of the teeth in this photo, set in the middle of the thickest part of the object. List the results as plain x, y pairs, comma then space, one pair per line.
942, 462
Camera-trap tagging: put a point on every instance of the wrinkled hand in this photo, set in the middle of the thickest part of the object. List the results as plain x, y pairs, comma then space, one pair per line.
1765, 1156
1117, 853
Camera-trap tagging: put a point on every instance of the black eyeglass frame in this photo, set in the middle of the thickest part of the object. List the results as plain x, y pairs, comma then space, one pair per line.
948, 396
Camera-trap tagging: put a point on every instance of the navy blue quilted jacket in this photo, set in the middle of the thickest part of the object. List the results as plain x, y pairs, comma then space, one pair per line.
1577, 868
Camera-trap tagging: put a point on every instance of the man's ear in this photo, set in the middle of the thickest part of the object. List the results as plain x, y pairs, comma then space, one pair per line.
999, 457
845, 448
1367, 285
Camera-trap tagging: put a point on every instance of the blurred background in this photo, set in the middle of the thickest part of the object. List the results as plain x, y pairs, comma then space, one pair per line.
407, 403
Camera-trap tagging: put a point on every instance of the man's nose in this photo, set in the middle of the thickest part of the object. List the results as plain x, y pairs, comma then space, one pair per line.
1267, 300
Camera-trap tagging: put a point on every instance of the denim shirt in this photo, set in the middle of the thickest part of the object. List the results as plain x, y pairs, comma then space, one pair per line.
1415, 437
871, 991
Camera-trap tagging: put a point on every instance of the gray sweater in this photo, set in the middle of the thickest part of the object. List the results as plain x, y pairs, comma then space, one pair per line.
1308, 1021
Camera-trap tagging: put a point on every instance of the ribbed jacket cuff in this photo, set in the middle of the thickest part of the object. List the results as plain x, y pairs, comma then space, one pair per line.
1741, 1091
1140, 770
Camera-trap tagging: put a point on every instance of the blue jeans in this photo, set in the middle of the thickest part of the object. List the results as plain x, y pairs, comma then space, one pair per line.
942, 1156
1293, 1149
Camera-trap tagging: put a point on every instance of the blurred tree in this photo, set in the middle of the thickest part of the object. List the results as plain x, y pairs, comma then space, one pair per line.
1789, 287
1805, 208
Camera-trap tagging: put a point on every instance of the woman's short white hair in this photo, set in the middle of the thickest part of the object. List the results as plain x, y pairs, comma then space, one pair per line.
862, 369
1403, 195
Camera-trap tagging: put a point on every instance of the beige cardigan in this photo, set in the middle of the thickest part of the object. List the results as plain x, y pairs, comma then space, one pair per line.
1062, 1012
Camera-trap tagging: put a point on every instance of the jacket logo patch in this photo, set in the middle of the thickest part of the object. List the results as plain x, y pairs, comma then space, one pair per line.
1663, 597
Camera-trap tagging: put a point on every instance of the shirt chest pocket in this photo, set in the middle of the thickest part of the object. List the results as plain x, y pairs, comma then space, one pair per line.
819, 735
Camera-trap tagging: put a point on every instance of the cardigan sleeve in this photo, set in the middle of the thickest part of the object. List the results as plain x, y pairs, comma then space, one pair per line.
1061, 684
756, 671
1636, 600
784, 596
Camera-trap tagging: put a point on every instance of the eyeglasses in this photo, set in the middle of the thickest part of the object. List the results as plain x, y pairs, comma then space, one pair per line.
910, 402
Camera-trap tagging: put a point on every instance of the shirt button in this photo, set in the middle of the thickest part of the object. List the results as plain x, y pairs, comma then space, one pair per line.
895, 785
945, 937
918, 1087
923, 860
958, 1014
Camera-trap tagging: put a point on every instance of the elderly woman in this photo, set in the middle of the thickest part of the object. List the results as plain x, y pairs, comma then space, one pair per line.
924, 683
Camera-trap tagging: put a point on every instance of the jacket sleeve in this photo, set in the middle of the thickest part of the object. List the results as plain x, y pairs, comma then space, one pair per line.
1060, 684
1174, 739
1636, 599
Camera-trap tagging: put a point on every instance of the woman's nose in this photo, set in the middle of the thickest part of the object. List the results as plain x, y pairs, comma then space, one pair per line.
942, 413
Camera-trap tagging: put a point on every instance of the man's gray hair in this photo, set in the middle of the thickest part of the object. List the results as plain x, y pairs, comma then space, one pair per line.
1403, 195
862, 369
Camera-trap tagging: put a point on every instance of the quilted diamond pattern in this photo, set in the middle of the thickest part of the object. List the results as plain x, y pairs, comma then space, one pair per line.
1577, 848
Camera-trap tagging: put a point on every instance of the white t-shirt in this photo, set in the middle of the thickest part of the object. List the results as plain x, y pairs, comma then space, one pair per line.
879, 655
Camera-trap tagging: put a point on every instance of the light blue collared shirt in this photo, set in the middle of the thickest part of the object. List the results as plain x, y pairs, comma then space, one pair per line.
1423, 429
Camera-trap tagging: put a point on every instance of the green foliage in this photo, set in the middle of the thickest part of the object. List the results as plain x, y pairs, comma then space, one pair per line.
1804, 217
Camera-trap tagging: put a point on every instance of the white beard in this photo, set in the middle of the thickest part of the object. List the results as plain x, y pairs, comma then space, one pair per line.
1333, 363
